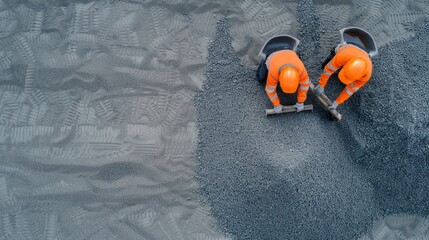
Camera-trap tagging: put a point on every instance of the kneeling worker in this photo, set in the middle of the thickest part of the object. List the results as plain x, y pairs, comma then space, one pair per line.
353, 58
282, 65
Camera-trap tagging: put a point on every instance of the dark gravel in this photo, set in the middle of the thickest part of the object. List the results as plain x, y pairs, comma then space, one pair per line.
389, 122
285, 177
299, 176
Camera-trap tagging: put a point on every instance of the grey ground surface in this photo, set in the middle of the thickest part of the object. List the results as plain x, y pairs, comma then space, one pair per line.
97, 125
98, 128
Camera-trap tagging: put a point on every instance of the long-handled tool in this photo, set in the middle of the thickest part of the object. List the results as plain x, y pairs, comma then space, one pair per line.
288, 109
324, 100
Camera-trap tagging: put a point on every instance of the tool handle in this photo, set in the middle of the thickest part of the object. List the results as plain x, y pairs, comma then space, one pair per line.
324, 100
288, 109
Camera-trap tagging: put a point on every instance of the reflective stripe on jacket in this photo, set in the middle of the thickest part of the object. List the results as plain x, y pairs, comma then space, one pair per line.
343, 55
275, 63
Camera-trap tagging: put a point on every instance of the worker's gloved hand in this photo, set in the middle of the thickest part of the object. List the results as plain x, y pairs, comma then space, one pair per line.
319, 90
278, 108
333, 106
299, 106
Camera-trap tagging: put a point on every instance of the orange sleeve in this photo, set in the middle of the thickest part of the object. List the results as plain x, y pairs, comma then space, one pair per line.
351, 88
330, 69
304, 85
344, 95
271, 90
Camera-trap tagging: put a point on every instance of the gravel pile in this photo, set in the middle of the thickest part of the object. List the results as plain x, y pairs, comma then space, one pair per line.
300, 176
389, 123
267, 178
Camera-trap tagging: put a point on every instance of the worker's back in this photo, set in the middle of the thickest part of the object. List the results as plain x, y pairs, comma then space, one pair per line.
278, 59
347, 52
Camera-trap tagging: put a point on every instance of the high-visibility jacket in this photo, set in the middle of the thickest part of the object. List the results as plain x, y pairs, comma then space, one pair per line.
275, 63
343, 54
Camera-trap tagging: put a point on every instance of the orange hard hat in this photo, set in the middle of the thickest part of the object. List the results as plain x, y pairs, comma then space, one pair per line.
354, 69
289, 79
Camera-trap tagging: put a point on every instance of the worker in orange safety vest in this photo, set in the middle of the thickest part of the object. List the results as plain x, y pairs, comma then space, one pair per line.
284, 67
353, 61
